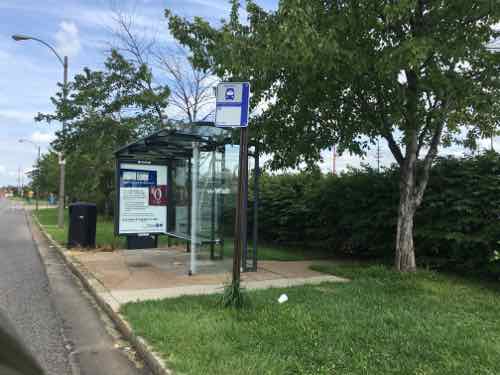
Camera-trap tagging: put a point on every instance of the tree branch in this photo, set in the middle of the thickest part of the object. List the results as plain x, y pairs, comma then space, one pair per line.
393, 146
429, 158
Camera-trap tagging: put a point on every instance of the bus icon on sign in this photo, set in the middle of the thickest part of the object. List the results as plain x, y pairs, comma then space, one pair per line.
230, 93
232, 104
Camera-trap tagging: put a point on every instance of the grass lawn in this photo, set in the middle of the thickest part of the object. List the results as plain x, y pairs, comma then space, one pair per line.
104, 232
380, 323
42, 203
105, 238
275, 252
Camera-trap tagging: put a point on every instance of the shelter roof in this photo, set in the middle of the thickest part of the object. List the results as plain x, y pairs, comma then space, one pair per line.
176, 141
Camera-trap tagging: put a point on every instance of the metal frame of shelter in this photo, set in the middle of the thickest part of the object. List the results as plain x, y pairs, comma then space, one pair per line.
182, 145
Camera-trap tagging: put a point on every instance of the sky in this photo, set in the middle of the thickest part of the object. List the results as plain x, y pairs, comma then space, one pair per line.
29, 72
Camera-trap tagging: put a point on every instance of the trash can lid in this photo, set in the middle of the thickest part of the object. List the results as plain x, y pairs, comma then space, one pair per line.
82, 204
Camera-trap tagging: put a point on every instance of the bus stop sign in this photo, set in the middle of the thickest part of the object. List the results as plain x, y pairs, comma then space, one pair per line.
232, 105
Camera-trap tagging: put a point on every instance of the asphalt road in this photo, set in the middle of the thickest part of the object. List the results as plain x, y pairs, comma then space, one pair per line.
58, 321
25, 295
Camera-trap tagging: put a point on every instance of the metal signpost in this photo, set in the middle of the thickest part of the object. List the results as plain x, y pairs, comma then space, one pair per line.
233, 103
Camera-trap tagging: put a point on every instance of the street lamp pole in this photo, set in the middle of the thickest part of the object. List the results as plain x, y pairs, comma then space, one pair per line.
62, 162
38, 171
64, 63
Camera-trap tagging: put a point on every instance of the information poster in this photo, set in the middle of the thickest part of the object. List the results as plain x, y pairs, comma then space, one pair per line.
143, 199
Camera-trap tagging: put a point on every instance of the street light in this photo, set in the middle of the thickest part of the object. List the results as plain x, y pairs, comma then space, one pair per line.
38, 173
19, 37
64, 62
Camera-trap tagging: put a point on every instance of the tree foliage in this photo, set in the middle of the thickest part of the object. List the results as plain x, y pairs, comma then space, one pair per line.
47, 176
103, 111
344, 72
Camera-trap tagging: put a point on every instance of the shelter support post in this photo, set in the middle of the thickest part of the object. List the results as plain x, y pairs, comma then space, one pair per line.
212, 211
190, 179
255, 207
221, 204
194, 206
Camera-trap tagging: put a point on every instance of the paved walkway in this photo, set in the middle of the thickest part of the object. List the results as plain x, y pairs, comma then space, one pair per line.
137, 275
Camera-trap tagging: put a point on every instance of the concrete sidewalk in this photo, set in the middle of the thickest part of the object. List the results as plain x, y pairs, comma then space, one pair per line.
138, 275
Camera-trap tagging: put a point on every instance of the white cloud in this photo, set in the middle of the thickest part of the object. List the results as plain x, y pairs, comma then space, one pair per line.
2, 169
68, 39
95, 17
39, 137
211, 4
17, 115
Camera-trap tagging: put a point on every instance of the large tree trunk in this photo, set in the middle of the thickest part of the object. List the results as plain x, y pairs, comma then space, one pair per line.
405, 251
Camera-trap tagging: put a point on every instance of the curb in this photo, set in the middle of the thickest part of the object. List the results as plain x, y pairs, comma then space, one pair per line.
97, 290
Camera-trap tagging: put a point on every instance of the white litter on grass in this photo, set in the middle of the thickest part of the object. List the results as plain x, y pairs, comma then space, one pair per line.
283, 298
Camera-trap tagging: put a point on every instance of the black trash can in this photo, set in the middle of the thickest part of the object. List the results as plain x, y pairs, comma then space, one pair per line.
82, 224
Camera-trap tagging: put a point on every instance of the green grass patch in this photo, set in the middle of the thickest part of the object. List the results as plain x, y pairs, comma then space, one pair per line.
382, 322
105, 238
276, 252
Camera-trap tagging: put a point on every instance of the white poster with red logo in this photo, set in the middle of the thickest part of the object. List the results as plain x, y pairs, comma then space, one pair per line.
143, 199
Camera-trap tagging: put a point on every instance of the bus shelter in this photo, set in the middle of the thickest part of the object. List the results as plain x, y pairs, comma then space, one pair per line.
179, 182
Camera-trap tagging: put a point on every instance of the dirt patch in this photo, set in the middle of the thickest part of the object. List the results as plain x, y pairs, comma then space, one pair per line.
139, 264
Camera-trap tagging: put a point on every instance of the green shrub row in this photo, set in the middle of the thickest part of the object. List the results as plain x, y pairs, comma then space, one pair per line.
458, 225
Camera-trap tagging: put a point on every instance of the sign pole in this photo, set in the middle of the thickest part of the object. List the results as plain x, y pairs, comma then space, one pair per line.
240, 234
232, 110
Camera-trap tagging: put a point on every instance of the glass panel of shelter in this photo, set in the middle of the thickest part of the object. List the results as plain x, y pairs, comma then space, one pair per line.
216, 191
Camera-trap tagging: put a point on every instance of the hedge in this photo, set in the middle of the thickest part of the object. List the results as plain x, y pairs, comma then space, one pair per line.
457, 226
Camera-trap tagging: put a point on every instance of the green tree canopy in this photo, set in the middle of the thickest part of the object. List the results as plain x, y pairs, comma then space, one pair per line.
103, 111
345, 72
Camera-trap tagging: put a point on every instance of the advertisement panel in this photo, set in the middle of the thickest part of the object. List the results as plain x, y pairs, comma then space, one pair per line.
143, 199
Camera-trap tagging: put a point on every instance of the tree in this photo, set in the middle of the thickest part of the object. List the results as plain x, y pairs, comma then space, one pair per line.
47, 176
348, 71
192, 94
104, 110
191, 89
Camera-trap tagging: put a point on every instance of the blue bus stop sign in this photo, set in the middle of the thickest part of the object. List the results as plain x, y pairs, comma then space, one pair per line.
232, 105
